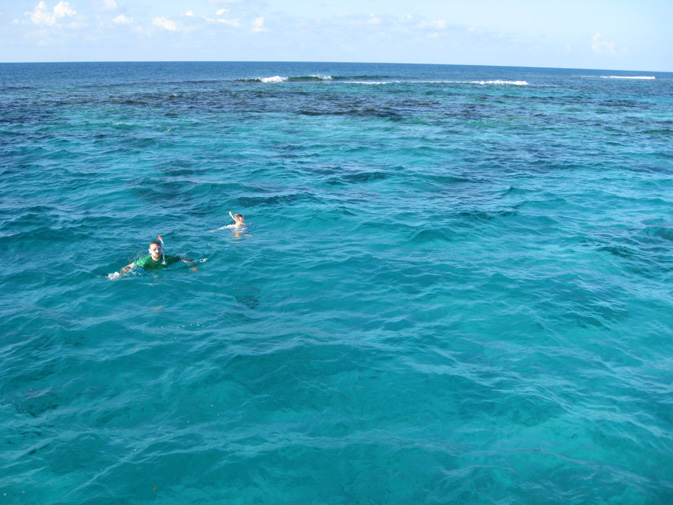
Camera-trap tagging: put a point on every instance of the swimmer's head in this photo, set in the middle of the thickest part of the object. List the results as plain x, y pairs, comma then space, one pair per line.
239, 218
155, 250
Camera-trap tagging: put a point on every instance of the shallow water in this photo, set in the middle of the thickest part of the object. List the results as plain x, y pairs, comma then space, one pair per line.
455, 286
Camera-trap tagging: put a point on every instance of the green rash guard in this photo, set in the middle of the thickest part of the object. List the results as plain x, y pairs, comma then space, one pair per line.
148, 263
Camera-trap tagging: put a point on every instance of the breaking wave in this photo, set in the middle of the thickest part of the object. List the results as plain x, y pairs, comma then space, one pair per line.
635, 77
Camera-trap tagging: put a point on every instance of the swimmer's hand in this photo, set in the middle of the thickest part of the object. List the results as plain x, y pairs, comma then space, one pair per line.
116, 275
193, 266
190, 263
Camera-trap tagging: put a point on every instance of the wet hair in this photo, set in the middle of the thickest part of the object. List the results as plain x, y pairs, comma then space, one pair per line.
239, 216
156, 242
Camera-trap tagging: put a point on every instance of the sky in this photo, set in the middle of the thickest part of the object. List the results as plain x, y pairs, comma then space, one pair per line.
594, 34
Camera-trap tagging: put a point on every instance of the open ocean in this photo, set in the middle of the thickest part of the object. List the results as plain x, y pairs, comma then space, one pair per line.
456, 286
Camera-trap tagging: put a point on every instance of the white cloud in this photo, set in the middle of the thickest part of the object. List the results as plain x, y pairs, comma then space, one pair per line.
224, 21
62, 9
438, 24
109, 5
122, 20
258, 25
164, 23
189, 13
42, 17
230, 22
599, 46
359, 20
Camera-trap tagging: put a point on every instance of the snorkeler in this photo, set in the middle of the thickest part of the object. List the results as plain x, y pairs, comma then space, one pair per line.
239, 223
155, 260
239, 220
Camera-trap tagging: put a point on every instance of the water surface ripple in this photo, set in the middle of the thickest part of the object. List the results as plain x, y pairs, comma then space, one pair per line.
455, 286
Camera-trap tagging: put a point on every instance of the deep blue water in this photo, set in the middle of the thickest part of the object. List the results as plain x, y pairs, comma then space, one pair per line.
456, 286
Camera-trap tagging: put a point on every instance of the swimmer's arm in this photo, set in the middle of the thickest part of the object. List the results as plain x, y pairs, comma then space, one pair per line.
117, 275
190, 263
127, 268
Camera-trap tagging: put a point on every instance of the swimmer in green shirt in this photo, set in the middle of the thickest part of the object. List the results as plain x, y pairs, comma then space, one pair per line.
157, 259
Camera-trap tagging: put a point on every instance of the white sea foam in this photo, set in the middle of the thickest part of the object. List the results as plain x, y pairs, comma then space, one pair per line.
501, 83
494, 82
278, 78
642, 77
275, 78
498, 82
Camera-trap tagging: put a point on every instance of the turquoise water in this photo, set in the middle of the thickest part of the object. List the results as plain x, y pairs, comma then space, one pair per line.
455, 286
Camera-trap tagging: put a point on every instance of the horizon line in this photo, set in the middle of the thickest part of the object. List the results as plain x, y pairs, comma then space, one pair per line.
324, 62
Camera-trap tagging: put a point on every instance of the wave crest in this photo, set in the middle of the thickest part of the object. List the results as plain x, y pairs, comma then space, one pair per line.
636, 77
373, 79
298, 78
501, 83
